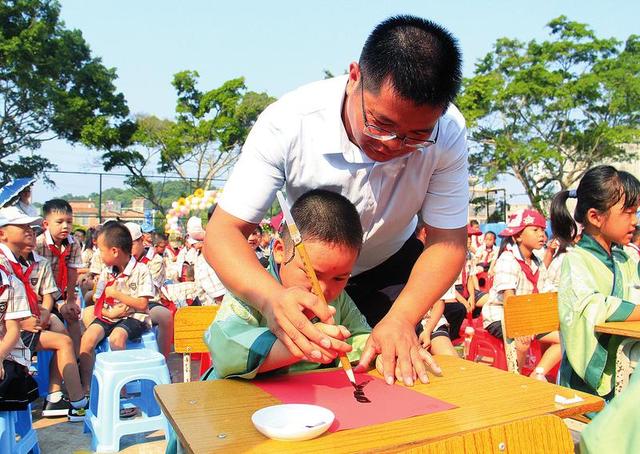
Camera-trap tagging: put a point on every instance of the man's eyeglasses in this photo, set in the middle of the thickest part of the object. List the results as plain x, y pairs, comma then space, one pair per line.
378, 133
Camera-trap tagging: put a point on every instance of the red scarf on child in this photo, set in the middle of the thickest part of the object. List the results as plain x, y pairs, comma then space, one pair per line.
62, 279
23, 276
530, 275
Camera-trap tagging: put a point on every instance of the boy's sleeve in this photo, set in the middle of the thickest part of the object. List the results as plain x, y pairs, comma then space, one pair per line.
348, 315
75, 256
102, 283
47, 283
156, 266
16, 301
237, 342
144, 284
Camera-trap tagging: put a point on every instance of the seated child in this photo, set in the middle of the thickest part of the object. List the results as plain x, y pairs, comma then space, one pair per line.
599, 282
486, 254
240, 342
433, 330
519, 272
58, 245
16, 239
210, 289
161, 316
121, 297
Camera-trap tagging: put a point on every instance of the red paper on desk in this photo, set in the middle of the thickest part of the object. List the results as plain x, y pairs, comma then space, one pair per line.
333, 390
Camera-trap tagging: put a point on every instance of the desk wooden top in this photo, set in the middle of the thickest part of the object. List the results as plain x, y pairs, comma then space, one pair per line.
216, 415
628, 329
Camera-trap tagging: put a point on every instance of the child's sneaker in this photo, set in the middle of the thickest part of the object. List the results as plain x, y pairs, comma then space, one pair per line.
55, 409
77, 414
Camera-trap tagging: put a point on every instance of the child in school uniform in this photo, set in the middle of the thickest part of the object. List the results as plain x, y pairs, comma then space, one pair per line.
16, 238
239, 339
486, 253
121, 298
58, 246
160, 315
211, 290
599, 282
519, 272
433, 330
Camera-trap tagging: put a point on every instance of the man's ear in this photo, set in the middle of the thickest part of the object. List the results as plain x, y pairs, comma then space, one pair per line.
278, 251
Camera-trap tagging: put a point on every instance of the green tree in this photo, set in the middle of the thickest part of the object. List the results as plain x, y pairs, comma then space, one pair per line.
50, 87
545, 112
201, 144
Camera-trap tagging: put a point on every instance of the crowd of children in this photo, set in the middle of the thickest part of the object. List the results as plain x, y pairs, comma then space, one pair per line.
66, 291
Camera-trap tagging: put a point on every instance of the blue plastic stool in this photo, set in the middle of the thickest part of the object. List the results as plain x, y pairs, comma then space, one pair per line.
112, 371
16, 432
42, 368
147, 341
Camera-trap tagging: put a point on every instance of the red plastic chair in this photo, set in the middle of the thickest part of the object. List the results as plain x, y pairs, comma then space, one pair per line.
486, 348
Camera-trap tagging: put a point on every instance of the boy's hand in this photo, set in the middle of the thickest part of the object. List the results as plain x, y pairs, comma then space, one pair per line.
425, 339
119, 310
70, 311
44, 317
31, 324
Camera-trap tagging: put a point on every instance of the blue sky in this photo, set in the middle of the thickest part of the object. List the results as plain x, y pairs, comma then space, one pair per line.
279, 45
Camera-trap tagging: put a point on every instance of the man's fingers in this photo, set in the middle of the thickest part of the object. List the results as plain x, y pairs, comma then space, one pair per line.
288, 342
323, 311
405, 363
431, 363
368, 355
389, 362
418, 364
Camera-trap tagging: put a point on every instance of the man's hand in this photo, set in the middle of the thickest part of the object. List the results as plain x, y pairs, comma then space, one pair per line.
286, 320
422, 352
70, 311
336, 333
31, 324
396, 340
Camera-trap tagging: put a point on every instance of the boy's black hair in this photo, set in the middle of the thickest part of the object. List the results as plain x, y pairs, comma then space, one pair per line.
601, 187
328, 217
56, 206
158, 237
116, 234
420, 58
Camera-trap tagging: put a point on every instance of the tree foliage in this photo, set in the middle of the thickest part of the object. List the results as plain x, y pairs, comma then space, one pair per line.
201, 143
545, 112
50, 87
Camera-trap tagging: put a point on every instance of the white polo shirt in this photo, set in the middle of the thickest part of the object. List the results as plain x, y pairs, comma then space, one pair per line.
300, 142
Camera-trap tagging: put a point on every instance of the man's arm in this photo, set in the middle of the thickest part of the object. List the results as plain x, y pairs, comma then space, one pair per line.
433, 274
227, 251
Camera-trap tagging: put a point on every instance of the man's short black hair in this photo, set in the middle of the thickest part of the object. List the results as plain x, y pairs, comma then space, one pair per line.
56, 206
421, 59
328, 217
116, 234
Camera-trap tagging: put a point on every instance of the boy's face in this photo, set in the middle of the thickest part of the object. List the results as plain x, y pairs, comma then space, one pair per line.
59, 225
146, 237
109, 255
254, 239
137, 247
332, 264
489, 241
78, 235
160, 247
17, 237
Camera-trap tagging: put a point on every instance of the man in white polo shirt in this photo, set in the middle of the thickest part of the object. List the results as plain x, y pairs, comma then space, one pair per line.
387, 137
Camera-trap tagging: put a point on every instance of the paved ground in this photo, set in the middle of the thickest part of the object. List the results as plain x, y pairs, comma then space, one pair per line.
58, 436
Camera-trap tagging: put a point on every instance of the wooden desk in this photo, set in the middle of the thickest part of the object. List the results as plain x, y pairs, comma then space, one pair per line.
627, 329
216, 415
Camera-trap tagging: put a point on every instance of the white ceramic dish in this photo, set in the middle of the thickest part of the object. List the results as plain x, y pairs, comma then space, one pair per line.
292, 422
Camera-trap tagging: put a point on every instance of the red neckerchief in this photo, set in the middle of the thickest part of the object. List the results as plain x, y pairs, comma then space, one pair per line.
62, 279
103, 297
146, 258
487, 253
23, 276
172, 250
530, 275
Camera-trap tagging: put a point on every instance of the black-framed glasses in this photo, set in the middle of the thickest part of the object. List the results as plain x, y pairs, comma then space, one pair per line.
383, 135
